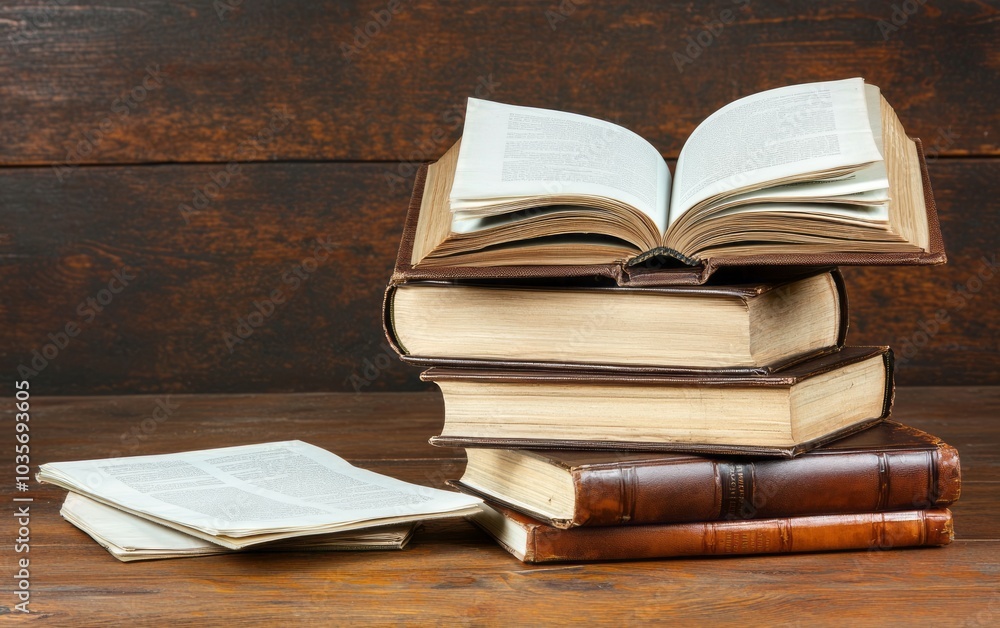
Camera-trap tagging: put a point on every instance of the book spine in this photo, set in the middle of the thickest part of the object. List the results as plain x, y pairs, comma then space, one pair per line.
869, 531
844, 306
711, 490
388, 322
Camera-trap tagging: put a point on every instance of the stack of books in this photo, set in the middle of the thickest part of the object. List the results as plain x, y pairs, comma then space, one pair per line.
641, 368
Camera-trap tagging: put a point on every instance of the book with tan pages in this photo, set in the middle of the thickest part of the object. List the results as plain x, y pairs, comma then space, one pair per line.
534, 542
758, 327
782, 414
820, 174
885, 468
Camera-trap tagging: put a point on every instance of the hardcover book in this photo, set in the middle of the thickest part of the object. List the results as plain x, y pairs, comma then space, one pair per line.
783, 414
534, 542
820, 174
888, 467
757, 327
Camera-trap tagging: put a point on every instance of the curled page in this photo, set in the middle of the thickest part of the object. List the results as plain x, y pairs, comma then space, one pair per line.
513, 151
775, 135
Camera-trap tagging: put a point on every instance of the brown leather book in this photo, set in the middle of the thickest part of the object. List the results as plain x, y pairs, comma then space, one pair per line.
783, 414
886, 468
757, 327
657, 270
535, 542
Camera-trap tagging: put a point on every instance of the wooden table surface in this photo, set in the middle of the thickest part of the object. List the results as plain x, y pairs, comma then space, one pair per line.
452, 572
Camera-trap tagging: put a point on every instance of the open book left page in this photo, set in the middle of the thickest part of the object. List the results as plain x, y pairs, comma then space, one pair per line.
515, 158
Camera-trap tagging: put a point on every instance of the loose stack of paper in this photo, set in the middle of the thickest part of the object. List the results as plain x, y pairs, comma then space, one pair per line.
285, 495
129, 537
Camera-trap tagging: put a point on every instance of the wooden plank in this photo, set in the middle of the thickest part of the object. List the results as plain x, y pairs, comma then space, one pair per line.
275, 285
354, 426
975, 517
177, 326
975, 511
962, 419
363, 428
380, 429
936, 318
452, 570
223, 68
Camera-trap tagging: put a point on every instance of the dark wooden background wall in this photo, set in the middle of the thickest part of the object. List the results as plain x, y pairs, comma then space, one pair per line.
121, 116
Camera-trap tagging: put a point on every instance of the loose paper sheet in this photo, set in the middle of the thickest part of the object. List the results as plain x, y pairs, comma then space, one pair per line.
266, 491
129, 537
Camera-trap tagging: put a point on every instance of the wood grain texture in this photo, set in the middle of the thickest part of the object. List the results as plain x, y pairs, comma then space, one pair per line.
938, 319
226, 66
197, 275
198, 280
453, 572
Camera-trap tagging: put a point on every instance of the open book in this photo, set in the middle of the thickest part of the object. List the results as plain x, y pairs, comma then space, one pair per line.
239, 497
820, 173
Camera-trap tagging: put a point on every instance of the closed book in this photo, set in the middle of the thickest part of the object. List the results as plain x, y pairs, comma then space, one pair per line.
535, 542
754, 327
782, 414
886, 468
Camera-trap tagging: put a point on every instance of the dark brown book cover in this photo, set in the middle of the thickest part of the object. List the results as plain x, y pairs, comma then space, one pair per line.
741, 291
886, 468
820, 533
658, 271
784, 379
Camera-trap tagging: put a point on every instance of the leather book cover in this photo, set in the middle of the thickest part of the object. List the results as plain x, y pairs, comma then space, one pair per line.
534, 542
647, 270
785, 378
743, 291
886, 468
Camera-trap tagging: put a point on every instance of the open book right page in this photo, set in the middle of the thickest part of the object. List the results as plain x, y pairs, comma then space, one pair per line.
794, 133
